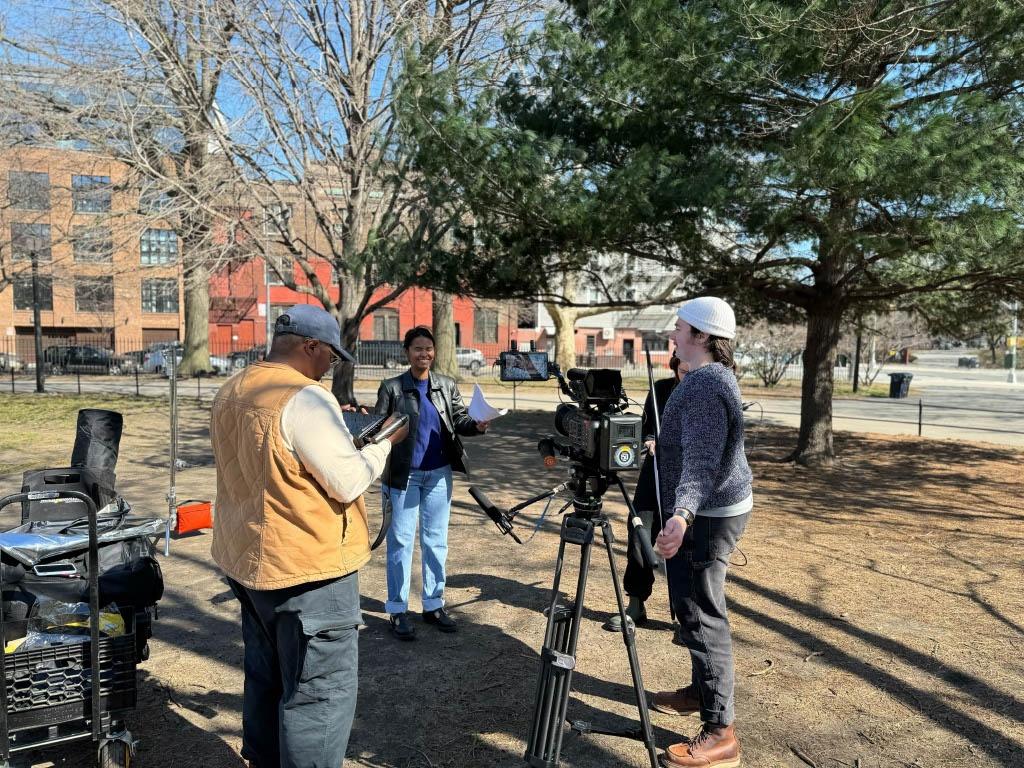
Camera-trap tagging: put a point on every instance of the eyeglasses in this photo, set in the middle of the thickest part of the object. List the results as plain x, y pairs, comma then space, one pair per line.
336, 359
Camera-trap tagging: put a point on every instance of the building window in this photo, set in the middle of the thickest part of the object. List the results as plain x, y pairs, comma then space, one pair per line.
94, 294
159, 246
26, 238
591, 343
276, 218
90, 194
385, 324
526, 316
656, 343
276, 310
23, 293
160, 296
94, 244
154, 200
284, 267
29, 191
485, 326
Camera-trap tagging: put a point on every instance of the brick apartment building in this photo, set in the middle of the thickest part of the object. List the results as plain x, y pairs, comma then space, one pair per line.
109, 272
107, 275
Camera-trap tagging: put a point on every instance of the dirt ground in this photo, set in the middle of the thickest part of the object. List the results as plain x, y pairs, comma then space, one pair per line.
877, 608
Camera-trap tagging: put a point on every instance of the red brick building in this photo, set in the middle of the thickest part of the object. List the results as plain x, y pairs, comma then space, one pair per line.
110, 273
238, 307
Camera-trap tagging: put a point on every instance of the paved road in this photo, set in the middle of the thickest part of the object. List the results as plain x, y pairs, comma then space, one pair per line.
969, 404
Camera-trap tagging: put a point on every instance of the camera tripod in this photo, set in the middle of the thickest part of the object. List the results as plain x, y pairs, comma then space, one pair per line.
558, 656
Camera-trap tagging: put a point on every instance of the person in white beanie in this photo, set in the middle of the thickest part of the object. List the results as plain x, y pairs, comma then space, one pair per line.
706, 493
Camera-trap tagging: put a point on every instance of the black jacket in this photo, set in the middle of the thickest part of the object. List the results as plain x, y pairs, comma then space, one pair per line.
399, 395
645, 498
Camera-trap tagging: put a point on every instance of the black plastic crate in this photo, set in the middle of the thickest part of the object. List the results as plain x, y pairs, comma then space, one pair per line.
48, 686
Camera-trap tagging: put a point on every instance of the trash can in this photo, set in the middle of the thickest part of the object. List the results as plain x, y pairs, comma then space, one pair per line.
899, 384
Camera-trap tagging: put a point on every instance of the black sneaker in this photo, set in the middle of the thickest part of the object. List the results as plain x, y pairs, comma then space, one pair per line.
401, 628
440, 619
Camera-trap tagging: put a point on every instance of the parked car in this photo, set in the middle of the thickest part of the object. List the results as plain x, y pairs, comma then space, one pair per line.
136, 357
80, 359
156, 360
390, 354
470, 358
127, 363
11, 362
247, 357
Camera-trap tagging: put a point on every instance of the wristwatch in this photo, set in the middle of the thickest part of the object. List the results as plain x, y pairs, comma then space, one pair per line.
686, 514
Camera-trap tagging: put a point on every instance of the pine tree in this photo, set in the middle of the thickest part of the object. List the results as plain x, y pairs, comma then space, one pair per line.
825, 157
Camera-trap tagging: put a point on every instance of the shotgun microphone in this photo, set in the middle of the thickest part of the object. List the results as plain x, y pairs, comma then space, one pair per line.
500, 518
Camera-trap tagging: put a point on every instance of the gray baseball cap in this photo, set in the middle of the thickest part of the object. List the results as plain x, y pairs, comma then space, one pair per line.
312, 322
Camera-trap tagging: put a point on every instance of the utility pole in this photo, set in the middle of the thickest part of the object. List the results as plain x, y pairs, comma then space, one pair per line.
37, 323
266, 288
1012, 377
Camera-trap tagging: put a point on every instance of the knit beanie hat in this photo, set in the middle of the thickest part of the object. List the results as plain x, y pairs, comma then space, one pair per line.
709, 315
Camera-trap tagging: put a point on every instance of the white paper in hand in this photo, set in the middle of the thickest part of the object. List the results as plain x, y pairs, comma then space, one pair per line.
480, 409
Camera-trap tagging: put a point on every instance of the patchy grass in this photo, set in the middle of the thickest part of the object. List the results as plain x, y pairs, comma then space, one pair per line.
39, 430
791, 388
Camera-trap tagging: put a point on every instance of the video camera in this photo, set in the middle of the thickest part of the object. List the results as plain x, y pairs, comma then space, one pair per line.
601, 436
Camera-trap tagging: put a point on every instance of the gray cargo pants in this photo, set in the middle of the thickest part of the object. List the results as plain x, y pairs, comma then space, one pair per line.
696, 577
301, 672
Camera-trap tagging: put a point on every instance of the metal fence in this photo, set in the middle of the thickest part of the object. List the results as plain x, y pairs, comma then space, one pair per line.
129, 366
912, 413
98, 355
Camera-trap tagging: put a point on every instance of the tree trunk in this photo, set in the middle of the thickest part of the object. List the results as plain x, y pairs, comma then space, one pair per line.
814, 446
856, 361
445, 361
343, 383
565, 322
565, 334
197, 320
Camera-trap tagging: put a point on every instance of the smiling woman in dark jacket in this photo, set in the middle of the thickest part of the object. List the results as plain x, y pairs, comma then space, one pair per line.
418, 479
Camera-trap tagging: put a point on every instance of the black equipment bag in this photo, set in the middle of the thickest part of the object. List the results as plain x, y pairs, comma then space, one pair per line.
130, 575
94, 482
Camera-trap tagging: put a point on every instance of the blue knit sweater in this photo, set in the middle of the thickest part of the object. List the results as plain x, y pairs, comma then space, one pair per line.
700, 451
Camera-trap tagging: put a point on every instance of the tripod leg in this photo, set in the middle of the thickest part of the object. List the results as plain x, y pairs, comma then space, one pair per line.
558, 656
629, 638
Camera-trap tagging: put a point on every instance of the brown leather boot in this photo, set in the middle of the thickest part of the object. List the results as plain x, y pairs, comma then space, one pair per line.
714, 747
683, 701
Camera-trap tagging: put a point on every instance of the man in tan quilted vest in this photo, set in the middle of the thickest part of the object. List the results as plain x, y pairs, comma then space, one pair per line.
290, 533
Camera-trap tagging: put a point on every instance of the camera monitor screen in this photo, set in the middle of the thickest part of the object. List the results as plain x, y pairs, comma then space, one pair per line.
524, 366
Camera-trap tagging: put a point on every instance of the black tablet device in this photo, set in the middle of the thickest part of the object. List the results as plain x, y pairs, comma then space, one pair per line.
363, 426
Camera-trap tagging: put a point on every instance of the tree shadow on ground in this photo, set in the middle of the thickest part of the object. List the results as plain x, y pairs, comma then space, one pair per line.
927, 703
490, 703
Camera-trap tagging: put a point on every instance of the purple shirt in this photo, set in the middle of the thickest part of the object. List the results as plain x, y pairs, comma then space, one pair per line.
428, 451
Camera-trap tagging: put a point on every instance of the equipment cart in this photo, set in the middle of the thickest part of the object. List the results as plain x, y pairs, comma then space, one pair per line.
62, 693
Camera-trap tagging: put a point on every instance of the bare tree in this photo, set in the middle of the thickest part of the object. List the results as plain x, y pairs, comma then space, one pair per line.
768, 349
886, 335
317, 130
138, 81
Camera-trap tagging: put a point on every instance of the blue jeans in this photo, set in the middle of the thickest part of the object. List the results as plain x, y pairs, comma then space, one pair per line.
427, 498
301, 672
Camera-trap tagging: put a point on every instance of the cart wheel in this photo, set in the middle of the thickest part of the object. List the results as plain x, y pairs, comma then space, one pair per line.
115, 754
